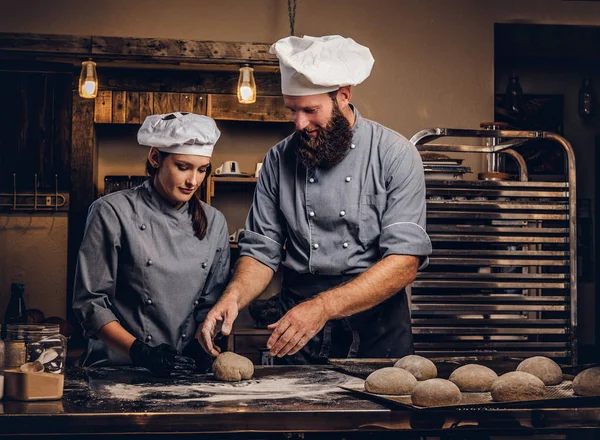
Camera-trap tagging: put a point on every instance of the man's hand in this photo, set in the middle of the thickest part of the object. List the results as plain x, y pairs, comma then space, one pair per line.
219, 319
160, 360
298, 326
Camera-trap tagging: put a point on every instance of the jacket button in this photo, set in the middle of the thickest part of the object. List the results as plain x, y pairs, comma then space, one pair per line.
204, 265
348, 179
149, 301
342, 213
149, 263
353, 146
345, 245
316, 246
311, 213
149, 338
311, 180
183, 336
143, 227
195, 303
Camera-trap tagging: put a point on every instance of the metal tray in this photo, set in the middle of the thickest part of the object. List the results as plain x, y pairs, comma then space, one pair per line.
561, 395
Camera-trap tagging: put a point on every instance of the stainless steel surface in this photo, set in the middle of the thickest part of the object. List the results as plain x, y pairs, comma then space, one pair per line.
502, 279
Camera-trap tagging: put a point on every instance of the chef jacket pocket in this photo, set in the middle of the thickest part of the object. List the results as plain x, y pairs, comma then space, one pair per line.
371, 211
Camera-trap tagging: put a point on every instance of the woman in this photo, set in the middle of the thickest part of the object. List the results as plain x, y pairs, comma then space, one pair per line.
154, 259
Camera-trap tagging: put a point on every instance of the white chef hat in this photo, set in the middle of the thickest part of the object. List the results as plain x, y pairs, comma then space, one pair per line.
314, 65
180, 133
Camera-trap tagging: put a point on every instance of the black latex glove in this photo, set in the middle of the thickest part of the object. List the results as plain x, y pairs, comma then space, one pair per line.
160, 360
201, 358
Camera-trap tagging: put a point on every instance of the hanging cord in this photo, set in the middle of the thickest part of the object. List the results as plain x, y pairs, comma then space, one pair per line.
292, 14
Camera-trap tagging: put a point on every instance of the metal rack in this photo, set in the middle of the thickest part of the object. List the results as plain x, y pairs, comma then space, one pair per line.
34, 201
502, 279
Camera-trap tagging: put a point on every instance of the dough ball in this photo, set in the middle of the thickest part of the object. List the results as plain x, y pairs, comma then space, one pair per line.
587, 383
543, 368
435, 392
473, 378
517, 385
232, 367
420, 367
390, 380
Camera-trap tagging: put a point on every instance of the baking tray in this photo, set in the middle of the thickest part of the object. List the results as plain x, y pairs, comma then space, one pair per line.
561, 395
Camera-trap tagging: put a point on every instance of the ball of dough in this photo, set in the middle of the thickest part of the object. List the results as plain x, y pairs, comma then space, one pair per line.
420, 367
587, 383
543, 368
435, 392
390, 380
232, 367
516, 386
473, 378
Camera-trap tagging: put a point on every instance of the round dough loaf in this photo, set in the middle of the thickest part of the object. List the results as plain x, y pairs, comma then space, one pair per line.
473, 378
587, 383
435, 392
232, 367
516, 386
390, 380
420, 367
543, 368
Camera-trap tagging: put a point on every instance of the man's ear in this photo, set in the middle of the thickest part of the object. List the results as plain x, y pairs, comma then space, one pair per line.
154, 157
344, 95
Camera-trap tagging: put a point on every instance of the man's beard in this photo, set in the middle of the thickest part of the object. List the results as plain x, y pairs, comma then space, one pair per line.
329, 147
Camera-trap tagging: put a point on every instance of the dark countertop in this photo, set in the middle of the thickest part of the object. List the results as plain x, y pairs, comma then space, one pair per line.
119, 400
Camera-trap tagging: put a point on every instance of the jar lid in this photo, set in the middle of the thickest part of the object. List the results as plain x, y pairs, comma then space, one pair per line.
33, 329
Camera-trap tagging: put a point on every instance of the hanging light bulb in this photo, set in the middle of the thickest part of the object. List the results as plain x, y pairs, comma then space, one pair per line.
88, 80
246, 90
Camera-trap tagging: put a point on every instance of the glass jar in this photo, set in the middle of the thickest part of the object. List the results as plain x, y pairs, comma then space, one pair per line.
35, 360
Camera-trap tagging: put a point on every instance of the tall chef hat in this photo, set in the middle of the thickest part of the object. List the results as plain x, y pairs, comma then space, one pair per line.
180, 133
314, 65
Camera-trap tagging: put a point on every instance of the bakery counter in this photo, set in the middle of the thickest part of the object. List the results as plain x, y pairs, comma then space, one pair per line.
278, 402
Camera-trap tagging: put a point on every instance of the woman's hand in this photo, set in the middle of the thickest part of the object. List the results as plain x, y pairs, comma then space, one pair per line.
219, 319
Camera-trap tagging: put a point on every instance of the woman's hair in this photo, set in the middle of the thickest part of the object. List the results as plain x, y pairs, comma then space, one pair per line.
199, 220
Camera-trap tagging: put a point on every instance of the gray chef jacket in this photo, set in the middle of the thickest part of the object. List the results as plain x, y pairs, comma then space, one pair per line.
339, 221
141, 265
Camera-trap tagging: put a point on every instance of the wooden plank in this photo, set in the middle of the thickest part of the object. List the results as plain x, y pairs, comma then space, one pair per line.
186, 102
103, 107
44, 43
189, 50
199, 104
118, 107
132, 108
166, 102
184, 81
266, 108
146, 105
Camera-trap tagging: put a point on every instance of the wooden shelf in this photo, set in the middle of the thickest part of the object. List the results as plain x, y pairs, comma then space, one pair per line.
234, 179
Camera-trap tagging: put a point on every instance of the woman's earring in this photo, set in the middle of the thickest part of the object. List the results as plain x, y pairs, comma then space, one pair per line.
155, 165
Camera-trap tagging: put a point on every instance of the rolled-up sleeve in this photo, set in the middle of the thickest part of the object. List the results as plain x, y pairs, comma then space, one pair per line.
96, 271
403, 222
264, 235
219, 274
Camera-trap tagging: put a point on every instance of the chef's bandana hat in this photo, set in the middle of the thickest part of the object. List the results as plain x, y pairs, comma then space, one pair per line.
315, 65
180, 133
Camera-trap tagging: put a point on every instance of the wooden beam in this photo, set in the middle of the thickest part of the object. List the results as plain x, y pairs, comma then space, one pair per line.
141, 49
132, 112
266, 108
103, 107
146, 105
119, 107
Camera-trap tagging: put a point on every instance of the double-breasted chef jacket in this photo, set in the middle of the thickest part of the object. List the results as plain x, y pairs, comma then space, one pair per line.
326, 226
140, 264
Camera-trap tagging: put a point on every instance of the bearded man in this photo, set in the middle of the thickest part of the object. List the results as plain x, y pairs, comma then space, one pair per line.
340, 204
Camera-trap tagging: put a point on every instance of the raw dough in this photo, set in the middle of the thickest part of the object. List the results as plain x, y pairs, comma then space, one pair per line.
543, 368
587, 383
435, 392
390, 380
473, 378
517, 385
420, 367
232, 367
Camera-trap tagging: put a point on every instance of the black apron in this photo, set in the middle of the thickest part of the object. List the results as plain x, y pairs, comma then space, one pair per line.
383, 331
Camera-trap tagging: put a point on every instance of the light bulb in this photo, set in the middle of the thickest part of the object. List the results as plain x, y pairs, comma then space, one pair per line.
88, 80
246, 90
89, 87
